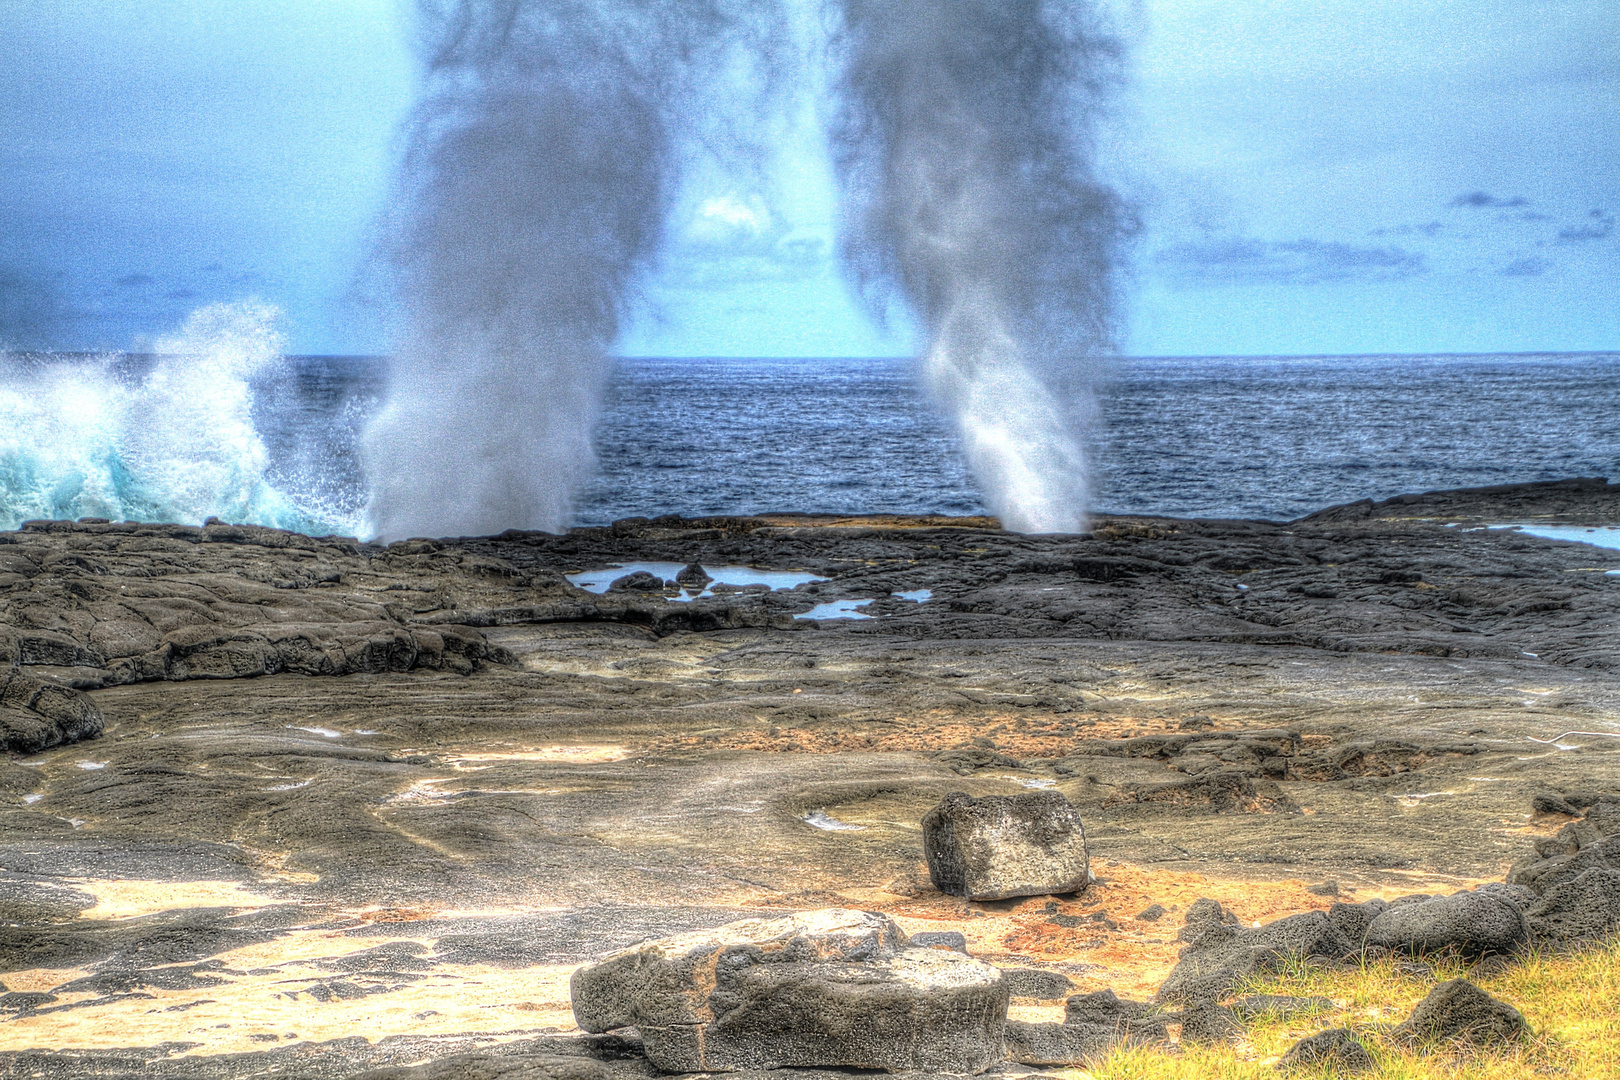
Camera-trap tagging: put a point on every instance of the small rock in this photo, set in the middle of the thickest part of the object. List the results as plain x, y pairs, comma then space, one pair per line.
1326, 888
1003, 846
941, 939
1223, 955
1208, 1022
1547, 803
1152, 914
1459, 1010
1337, 1047
1035, 983
821, 988
693, 576
640, 581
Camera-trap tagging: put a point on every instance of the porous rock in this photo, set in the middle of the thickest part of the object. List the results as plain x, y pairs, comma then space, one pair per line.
1035, 983
25, 901
1093, 1025
1460, 1011
1337, 1047
1473, 923
822, 988
1224, 954
1584, 908
1353, 919
1005, 845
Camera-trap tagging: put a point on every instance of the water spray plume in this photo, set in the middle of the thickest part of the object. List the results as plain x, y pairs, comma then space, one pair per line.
542, 161
964, 145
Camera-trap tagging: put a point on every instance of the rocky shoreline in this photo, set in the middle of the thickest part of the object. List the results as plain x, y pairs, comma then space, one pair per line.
273, 799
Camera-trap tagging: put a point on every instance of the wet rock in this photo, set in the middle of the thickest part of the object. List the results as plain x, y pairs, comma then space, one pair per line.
1460, 1011
1224, 954
640, 581
1473, 923
693, 576
1337, 1047
1003, 846
1584, 908
36, 714
1035, 983
823, 988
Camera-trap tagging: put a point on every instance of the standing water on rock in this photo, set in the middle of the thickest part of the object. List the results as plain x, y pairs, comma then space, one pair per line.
1228, 437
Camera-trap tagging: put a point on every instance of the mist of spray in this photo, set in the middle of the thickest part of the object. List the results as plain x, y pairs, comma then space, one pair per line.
964, 144
542, 161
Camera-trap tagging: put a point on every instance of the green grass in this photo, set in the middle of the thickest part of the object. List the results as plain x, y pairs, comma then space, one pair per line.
1571, 1000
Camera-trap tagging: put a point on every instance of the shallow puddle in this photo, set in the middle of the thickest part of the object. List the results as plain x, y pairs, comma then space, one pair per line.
1603, 536
597, 581
820, 819
837, 609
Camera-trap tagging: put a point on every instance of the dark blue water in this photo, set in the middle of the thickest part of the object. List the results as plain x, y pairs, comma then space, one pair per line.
1229, 437
1233, 437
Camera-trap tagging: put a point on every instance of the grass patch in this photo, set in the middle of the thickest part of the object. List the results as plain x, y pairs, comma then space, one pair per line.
1571, 1000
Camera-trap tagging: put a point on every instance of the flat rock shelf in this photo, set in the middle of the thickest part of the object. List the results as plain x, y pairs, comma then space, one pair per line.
275, 804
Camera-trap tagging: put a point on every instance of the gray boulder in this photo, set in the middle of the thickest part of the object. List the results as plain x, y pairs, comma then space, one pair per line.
1353, 919
1337, 1047
820, 988
1462, 1012
1473, 923
1006, 845
1584, 908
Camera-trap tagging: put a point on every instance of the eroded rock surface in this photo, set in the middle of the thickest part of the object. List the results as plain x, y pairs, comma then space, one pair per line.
825, 988
1002, 846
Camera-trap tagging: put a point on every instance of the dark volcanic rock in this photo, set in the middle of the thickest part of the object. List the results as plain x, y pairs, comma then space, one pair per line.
1473, 923
36, 714
25, 901
1353, 919
827, 988
1583, 908
1459, 1010
1222, 955
1034, 983
1093, 1025
640, 581
1337, 1047
1005, 845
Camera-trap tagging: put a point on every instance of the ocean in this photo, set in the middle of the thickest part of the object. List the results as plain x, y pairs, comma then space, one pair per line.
1246, 437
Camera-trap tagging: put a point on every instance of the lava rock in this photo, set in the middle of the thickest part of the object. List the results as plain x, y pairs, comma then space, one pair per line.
693, 576
1473, 923
1458, 1010
1337, 1047
1353, 919
37, 714
941, 939
1153, 913
1224, 954
640, 581
1584, 908
1093, 1025
821, 988
26, 902
1035, 983
1006, 845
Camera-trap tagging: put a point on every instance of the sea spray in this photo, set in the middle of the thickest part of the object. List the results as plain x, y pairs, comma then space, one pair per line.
542, 162
175, 444
964, 146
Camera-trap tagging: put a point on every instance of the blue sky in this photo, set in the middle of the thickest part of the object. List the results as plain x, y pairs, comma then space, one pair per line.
1316, 176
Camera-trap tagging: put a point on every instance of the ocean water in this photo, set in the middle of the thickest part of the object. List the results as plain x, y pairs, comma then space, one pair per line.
1271, 438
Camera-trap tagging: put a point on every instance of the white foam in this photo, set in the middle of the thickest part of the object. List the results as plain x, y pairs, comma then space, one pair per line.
178, 445
917, 596
820, 819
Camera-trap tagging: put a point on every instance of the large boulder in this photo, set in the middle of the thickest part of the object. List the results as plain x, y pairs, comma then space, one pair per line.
1584, 908
1460, 1011
1006, 845
1473, 923
821, 988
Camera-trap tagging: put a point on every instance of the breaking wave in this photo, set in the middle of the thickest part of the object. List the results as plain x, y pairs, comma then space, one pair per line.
173, 443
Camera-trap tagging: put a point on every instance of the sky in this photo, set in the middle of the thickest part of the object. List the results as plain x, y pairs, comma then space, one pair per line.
1313, 176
